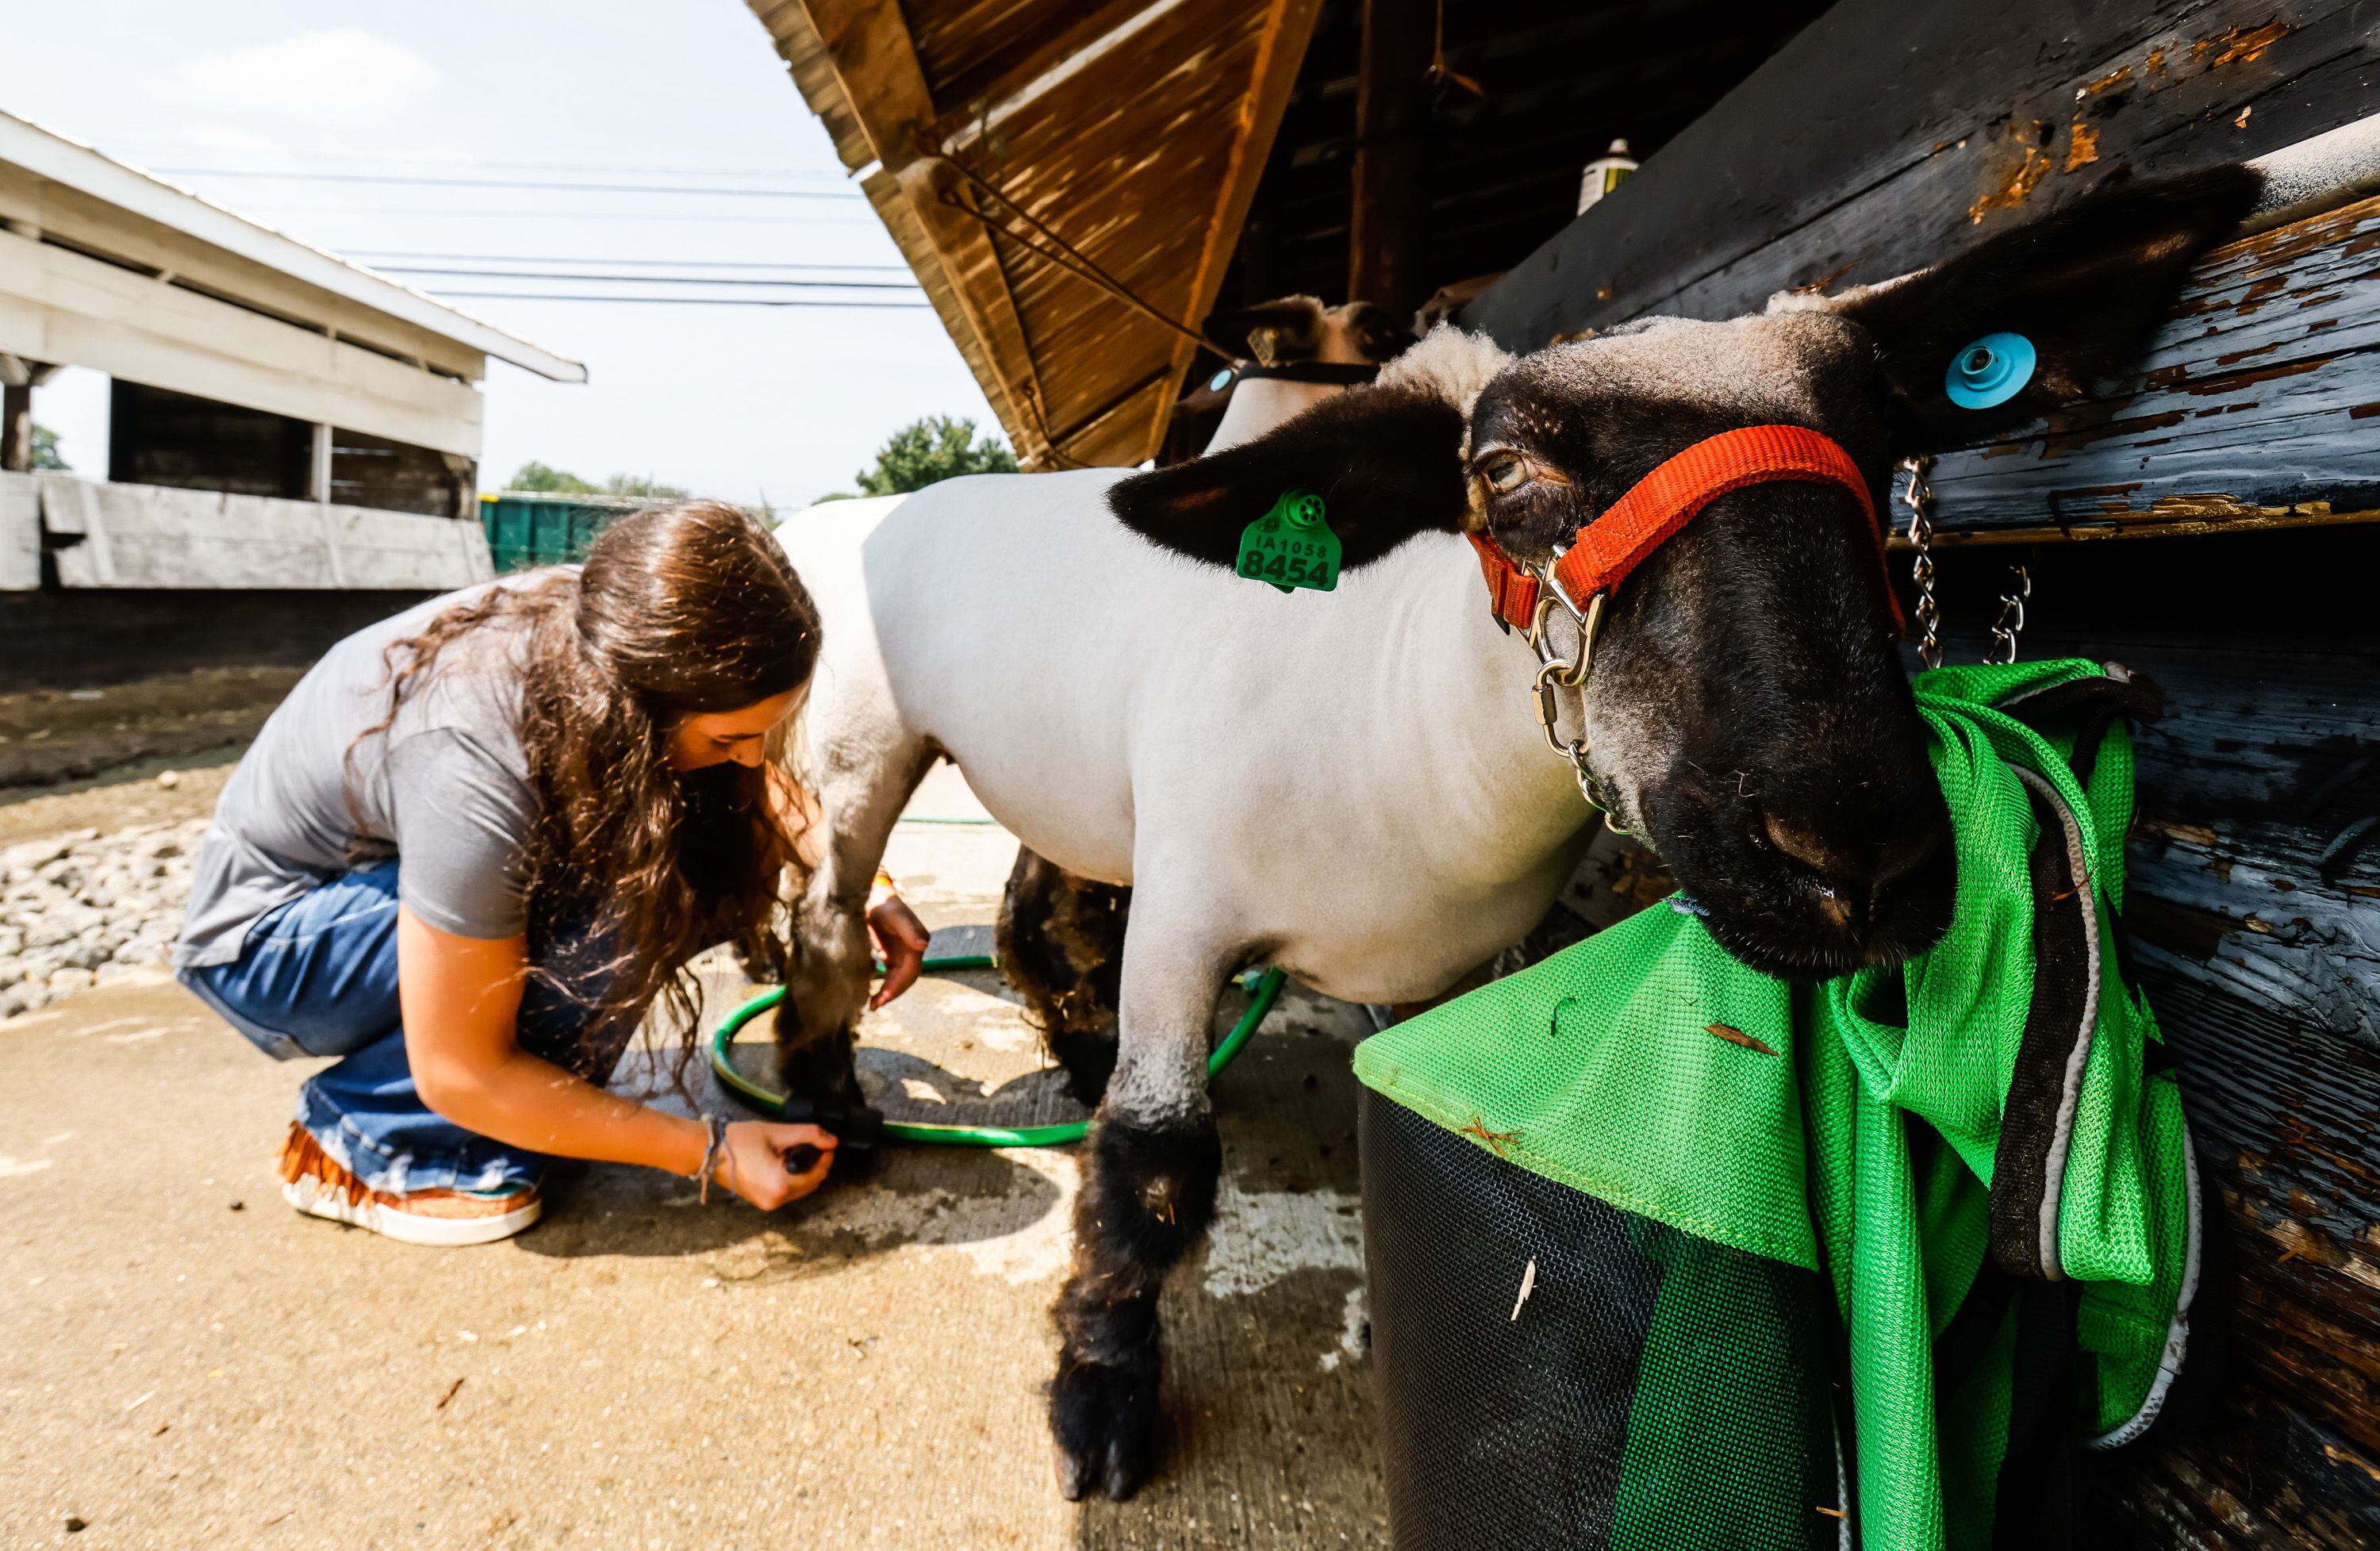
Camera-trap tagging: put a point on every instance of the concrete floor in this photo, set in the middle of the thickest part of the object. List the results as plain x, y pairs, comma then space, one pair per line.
183, 1362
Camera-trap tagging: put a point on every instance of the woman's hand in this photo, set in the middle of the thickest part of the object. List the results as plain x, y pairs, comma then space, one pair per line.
751, 1161
900, 940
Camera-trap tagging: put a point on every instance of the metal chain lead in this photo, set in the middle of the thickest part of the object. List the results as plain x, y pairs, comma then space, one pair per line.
2011, 624
1918, 498
1568, 673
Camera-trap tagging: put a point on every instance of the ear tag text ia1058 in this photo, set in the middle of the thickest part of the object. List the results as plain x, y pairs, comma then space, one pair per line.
1290, 546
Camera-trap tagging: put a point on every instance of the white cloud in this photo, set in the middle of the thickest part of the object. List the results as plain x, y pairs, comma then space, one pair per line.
244, 148
340, 78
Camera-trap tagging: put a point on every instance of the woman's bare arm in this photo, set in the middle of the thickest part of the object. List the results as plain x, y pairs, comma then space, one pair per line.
460, 997
796, 815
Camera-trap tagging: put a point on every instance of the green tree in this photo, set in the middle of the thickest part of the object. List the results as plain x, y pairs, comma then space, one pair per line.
642, 485
535, 475
936, 448
45, 449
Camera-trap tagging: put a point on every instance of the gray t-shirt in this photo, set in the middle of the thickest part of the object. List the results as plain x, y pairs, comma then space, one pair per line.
444, 789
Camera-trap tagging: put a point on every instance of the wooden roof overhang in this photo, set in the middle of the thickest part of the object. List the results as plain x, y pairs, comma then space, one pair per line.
1067, 180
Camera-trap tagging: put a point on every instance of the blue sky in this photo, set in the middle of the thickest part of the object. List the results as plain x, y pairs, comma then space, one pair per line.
732, 402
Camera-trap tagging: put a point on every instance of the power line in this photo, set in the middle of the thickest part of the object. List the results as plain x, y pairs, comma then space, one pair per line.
515, 183
693, 301
647, 279
628, 263
640, 169
640, 217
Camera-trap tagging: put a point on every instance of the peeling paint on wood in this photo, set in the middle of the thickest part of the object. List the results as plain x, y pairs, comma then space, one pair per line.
2082, 144
2016, 184
1736, 211
2244, 411
2235, 47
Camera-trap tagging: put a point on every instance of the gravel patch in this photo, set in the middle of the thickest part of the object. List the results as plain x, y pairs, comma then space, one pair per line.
84, 908
166, 796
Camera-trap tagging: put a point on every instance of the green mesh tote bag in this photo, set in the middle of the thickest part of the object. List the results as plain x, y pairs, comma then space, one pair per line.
1666, 1254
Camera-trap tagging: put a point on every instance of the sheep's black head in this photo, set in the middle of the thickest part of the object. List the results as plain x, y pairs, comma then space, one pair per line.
1747, 714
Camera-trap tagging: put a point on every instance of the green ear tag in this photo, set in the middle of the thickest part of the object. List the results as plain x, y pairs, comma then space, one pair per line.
1290, 546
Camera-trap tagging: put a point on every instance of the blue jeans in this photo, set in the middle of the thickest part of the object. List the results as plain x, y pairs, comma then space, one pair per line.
317, 976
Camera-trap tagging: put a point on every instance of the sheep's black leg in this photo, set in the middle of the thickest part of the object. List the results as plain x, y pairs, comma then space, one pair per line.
826, 983
1148, 1196
820, 1082
1060, 943
1149, 1173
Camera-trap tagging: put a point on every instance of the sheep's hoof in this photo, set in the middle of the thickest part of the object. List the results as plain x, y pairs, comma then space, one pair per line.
1104, 1421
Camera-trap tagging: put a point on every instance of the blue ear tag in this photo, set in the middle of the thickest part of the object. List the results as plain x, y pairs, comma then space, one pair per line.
1221, 380
1991, 371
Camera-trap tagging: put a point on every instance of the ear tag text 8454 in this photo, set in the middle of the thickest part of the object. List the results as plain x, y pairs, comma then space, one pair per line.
1290, 546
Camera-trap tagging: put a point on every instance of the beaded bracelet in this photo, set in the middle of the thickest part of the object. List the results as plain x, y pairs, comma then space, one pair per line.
717, 1127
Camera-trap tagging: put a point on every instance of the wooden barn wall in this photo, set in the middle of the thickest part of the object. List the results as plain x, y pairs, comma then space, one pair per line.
2253, 922
2252, 406
1556, 82
1888, 136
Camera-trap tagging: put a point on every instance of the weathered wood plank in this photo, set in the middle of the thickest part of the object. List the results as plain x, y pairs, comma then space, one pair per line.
985, 83
70, 215
855, 69
2282, 1486
57, 305
21, 533
2246, 868
2249, 414
113, 536
2252, 405
1963, 119
1289, 28
2257, 956
1388, 226
2168, 99
2281, 1117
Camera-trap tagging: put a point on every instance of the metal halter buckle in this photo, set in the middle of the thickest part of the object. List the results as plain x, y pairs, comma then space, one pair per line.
1587, 621
1555, 669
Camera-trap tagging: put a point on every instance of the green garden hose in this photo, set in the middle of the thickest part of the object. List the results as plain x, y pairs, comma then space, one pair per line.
1260, 1000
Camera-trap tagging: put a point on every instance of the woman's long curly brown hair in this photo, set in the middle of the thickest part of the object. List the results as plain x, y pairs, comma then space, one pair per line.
678, 610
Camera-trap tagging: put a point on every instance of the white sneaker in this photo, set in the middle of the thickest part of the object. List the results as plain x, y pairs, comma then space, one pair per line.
314, 1182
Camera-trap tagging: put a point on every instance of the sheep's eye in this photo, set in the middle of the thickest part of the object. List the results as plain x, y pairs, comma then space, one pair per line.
1505, 471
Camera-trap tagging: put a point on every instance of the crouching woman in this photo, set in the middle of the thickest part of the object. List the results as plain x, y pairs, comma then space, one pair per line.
481, 840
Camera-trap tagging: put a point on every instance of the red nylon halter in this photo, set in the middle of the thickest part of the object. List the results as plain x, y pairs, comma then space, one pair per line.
1606, 549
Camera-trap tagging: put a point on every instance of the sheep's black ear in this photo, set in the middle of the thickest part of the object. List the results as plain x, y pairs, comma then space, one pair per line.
2085, 286
1387, 461
1291, 327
